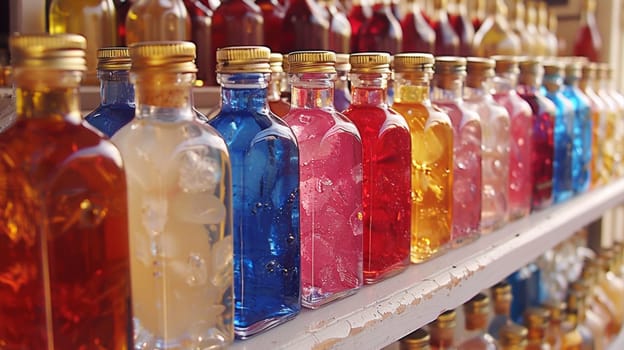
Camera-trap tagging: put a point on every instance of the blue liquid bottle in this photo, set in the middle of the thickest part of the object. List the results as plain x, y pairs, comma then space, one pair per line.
342, 94
117, 106
564, 132
582, 143
265, 179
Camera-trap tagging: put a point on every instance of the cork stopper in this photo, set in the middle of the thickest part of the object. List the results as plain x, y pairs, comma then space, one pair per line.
506, 64
312, 62
49, 51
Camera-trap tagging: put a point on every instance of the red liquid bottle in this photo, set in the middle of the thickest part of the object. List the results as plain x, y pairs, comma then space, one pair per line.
478, 14
588, 41
447, 42
121, 10
273, 14
360, 12
463, 27
339, 28
386, 168
381, 32
305, 27
417, 34
529, 82
201, 22
235, 23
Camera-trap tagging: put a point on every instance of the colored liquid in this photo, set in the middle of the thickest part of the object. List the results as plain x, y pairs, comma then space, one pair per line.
432, 178
157, 21
305, 27
381, 32
63, 183
358, 15
480, 342
331, 203
265, 180
273, 14
117, 107
588, 42
465, 32
339, 30
582, 141
520, 153
417, 34
543, 149
599, 115
386, 183
495, 37
279, 107
563, 137
121, 10
342, 97
201, 26
611, 156
446, 41
467, 181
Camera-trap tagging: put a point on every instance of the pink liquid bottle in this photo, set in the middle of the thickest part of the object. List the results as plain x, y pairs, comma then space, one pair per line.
494, 143
417, 34
543, 144
447, 42
386, 168
448, 82
330, 178
306, 27
382, 31
521, 130
360, 12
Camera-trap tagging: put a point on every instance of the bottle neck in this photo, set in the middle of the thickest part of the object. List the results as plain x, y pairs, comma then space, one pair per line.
552, 83
571, 81
275, 87
477, 86
115, 88
447, 87
342, 81
369, 89
412, 87
166, 96
476, 324
312, 90
244, 91
505, 83
502, 308
529, 82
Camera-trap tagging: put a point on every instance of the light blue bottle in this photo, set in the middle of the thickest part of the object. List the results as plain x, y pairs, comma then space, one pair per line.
265, 180
582, 149
564, 132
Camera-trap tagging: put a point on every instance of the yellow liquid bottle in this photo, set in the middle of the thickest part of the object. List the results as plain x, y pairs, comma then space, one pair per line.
495, 37
93, 19
517, 11
432, 155
157, 20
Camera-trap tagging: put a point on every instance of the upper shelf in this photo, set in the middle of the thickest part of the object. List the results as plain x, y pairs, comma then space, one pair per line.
383, 313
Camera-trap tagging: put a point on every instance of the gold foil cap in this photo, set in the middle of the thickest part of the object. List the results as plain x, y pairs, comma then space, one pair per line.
276, 62
501, 292
312, 62
479, 304
417, 340
114, 58
536, 317
505, 64
513, 335
370, 62
52, 51
241, 59
445, 320
413, 62
342, 62
449, 65
163, 56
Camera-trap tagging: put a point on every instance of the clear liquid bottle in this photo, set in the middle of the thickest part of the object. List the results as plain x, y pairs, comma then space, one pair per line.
432, 155
265, 173
94, 19
582, 141
277, 104
360, 12
116, 108
179, 207
513, 337
273, 14
542, 145
613, 157
382, 31
476, 336
495, 37
305, 27
386, 168
521, 132
157, 20
417, 340
447, 94
495, 141
564, 132
330, 182
417, 34
342, 94
588, 42
442, 331
446, 40
536, 320
501, 295
64, 228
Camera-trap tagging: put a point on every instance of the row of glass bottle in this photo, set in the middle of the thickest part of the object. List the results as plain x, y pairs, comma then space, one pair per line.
583, 311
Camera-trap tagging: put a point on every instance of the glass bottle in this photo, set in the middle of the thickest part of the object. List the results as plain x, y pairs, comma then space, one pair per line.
618, 99
305, 27
330, 182
339, 28
277, 104
201, 22
613, 158
517, 14
582, 140
501, 294
121, 10
273, 14
417, 340
63, 233
93, 19
553, 40
539, 46
495, 37
442, 331
478, 14
7, 100
575, 335
417, 34
611, 284
265, 173
447, 94
554, 331
179, 207
446, 41
360, 12
521, 132
236, 22
564, 132
588, 320
116, 108
463, 27
157, 20
386, 168
600, 302
541, 24
536, 320
382, 31
432, 155
599, 115
475, 336
495, 143
542, 145
513, 337
342, 94
588, 42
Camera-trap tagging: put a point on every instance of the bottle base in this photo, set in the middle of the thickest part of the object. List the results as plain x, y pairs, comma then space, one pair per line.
465, 239
204, 338
261, 326
419, 257
378, 276
316, 300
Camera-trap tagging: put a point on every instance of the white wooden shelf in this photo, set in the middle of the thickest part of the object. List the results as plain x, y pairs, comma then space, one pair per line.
383, 313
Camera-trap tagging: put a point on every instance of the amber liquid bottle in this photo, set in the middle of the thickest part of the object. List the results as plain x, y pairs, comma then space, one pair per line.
495, 37
463, 27
277, 104
588, 41
64, 227
417, 34
201, 22
382, 31
447, 42
150, 20
273, 14
305, 27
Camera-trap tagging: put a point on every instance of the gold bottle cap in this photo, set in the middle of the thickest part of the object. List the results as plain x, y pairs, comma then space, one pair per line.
501, 292
312, 62
513, 335
556, 308
52, 51
413, 62
479, 304
417, 340
536, 317
449, 64
241, 59
114, 58
163, 56
276, 62
505, 64
370, 62
445, 320
342, 62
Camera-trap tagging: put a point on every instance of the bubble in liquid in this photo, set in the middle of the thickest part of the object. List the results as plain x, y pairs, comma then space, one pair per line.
198, 170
